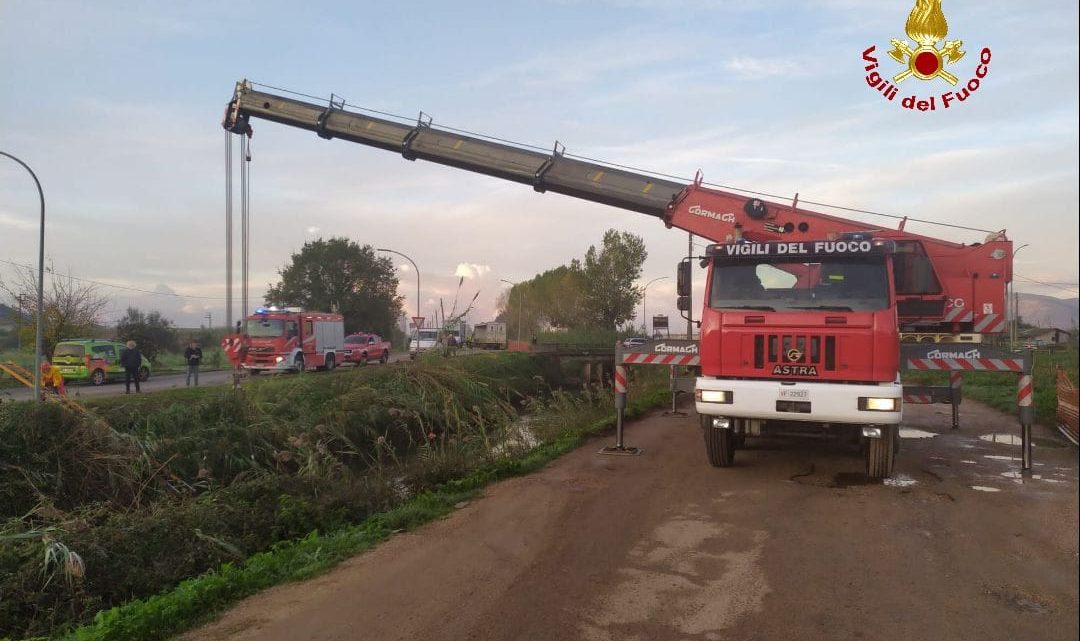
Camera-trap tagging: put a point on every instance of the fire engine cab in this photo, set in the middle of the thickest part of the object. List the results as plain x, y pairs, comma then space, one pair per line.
291, 339
800, 336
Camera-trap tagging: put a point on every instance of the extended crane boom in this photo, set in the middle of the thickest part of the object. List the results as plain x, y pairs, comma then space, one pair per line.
941, 286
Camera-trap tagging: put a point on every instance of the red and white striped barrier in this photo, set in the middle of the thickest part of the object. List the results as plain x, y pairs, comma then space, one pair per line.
956, 380
991, 324
620, 379
959, 315
660, 359
1024, 391
967, 364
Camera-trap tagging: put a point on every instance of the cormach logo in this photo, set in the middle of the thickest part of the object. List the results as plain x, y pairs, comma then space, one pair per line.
924, 60
664, 348
698, 210
937, 354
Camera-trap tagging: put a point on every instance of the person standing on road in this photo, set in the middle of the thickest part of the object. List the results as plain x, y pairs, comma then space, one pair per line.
131, 359
193, 356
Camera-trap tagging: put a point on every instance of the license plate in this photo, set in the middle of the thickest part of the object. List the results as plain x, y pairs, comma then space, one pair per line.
795, 393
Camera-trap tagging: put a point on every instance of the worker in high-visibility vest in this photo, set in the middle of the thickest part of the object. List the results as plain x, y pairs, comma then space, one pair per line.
52, 381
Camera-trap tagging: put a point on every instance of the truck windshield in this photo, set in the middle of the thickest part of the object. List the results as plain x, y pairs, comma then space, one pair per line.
429, 334
850, 284
265, 328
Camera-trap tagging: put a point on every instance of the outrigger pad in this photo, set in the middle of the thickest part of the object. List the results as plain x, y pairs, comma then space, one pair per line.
620, 451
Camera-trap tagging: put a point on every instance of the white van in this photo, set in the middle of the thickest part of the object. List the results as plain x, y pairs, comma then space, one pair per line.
427, 339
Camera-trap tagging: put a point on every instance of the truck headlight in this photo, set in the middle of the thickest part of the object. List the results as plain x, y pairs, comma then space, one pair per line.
279, 359
875, 404
714, 396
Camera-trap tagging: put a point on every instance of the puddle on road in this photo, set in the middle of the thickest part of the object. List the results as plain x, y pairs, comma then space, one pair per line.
855, 479
911, 432
900, 480
983, 488
1014, 439
1004, 439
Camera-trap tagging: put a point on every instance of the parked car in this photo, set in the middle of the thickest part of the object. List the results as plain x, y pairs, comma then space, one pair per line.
362, 348
96, 360
634, 341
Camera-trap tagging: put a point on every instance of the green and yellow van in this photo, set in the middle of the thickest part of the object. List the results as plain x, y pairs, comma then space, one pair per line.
96, 360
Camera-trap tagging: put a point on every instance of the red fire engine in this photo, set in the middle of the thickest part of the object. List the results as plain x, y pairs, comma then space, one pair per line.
287, 339
803, 311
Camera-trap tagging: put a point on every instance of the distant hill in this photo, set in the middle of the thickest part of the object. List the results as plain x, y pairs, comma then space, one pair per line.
1047, 311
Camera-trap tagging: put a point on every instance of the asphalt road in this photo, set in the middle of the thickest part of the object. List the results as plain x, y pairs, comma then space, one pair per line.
789, 544
156, 383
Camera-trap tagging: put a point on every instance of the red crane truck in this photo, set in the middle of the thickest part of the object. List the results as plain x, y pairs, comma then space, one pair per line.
287, 339
803, 311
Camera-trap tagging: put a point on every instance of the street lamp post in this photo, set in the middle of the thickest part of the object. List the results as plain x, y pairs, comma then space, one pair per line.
521, 301
1015, 305
644, 317
39, 332
417, 270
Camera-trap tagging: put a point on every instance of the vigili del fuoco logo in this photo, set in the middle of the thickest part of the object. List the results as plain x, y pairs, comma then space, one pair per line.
926, 62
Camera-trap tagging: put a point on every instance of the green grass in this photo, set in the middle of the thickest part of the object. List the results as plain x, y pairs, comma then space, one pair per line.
196, 600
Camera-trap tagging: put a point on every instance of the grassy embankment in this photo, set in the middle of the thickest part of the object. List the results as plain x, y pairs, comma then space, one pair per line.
999, 389
156, 512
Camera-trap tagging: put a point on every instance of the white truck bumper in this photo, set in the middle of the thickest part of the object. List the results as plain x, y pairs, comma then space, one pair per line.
800, 401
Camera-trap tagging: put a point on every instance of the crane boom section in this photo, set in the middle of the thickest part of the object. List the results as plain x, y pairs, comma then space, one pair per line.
940, 285
545, 172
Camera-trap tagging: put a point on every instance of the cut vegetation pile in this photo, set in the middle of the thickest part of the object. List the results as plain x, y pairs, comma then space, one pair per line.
148, 491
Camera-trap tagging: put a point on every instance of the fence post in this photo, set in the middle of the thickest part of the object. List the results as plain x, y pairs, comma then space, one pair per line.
1025, 393
620, 385
956, 384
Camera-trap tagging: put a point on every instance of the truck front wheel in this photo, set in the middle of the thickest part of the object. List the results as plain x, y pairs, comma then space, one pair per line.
881, 452
719, 443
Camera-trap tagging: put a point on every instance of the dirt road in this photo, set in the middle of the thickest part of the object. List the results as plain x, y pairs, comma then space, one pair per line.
787, 545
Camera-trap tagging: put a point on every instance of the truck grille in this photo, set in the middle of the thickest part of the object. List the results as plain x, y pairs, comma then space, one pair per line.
776, 349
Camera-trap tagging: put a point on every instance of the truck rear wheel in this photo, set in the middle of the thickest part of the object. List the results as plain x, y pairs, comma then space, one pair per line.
331, 362
385, 357
881, 452
719, 443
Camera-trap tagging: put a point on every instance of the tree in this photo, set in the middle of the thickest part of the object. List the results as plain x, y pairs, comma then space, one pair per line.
72, 307
338, 275
151, 332
610, 296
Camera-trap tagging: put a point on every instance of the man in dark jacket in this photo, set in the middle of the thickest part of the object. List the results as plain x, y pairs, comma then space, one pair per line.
193, 356
131, 359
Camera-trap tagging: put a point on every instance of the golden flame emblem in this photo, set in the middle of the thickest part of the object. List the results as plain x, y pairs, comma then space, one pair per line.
926, 25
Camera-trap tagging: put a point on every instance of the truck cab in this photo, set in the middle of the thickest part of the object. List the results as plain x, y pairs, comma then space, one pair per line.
292, 340
801, 337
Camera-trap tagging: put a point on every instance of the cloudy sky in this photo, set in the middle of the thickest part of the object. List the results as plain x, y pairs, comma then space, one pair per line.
117, 105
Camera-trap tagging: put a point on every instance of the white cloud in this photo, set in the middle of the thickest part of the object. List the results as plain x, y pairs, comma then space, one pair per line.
751, 67
311, 230
471, 270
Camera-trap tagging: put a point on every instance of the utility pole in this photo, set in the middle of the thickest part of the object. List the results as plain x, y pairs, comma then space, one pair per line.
18, 320
690, 312
209, 320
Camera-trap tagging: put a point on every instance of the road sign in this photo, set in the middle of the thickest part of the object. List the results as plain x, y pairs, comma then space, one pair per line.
417, 321
659, 322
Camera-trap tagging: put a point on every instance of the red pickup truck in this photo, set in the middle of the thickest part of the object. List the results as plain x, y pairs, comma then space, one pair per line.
362, 348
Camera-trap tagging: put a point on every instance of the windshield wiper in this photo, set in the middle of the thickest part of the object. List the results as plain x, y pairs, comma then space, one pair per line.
757, 308
826, 308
